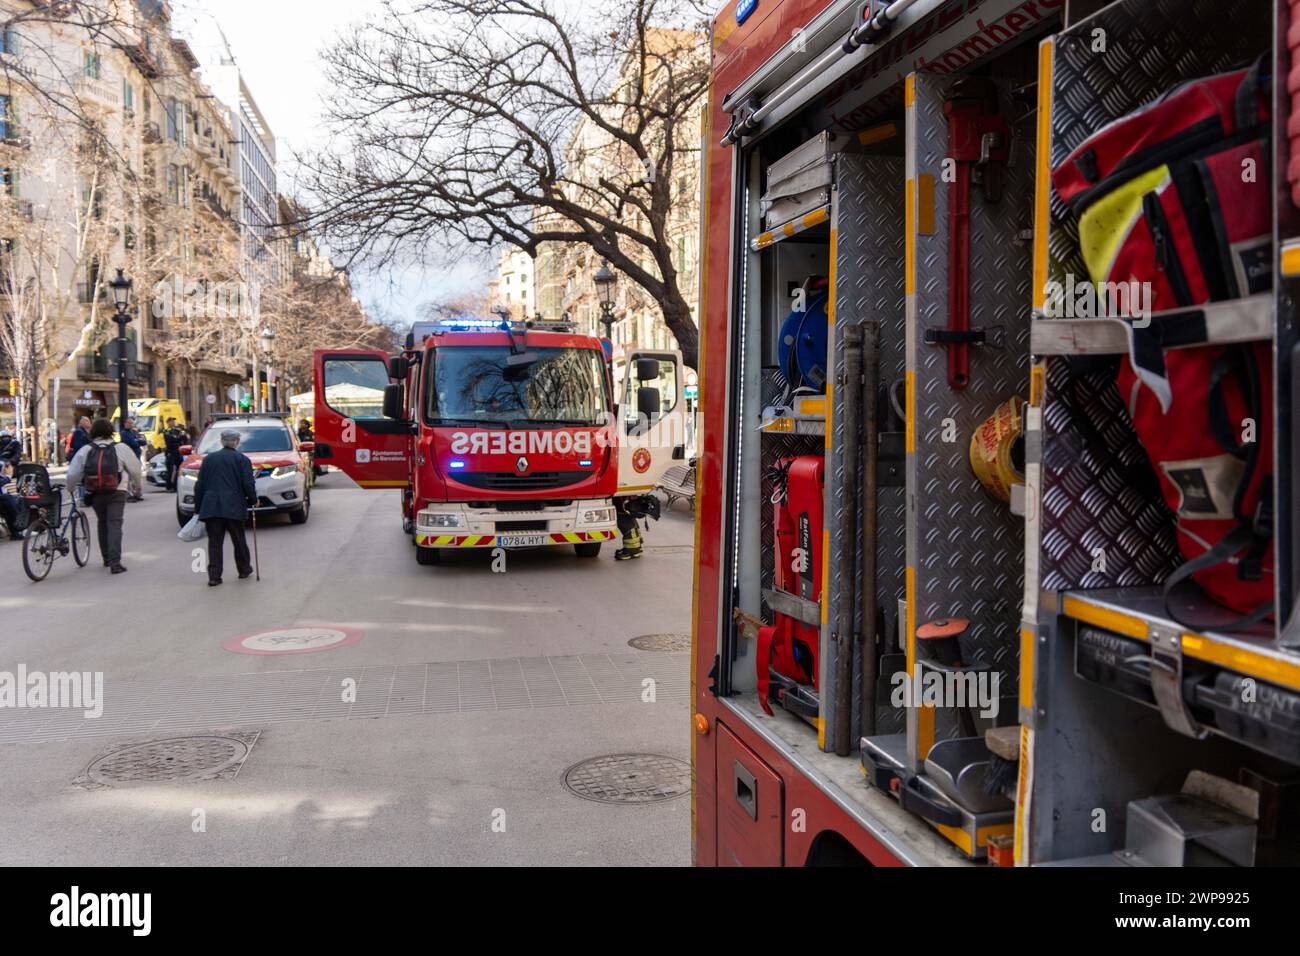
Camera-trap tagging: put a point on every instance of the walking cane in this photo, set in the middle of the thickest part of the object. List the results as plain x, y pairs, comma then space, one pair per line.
257, 567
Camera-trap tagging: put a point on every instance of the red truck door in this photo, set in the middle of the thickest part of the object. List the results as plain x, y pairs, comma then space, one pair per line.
351, 430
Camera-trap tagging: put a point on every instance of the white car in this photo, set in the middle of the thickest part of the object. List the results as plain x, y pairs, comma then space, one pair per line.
155, 470
281, 466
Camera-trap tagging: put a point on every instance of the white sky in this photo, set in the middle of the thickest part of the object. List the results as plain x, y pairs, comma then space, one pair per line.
276, 44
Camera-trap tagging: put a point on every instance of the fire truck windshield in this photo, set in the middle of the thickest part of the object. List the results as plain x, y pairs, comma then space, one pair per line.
479, 385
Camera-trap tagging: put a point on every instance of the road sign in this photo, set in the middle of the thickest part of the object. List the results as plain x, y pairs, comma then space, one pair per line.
211, 399
692, 391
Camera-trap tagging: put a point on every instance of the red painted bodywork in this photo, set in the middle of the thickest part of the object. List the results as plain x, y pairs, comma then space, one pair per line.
737, 52
434, 481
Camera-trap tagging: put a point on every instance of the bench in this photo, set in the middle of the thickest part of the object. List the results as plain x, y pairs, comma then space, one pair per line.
678, 482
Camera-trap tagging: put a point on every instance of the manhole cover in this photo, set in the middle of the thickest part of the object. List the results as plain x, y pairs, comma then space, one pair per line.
629, 778
299, 639
662, 642
199, 757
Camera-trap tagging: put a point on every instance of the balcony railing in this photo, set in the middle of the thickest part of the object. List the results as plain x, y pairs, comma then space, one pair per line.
100, 366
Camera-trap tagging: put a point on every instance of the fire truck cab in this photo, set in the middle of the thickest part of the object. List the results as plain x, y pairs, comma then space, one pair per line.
498, 434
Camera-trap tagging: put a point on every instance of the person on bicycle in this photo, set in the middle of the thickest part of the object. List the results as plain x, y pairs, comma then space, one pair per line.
105, 469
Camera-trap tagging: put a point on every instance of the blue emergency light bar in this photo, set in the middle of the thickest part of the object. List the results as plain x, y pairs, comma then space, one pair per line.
472, 323
456, 464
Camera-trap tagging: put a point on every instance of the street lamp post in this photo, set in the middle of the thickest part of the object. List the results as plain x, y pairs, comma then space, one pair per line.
605, 279
266, 342
121, 287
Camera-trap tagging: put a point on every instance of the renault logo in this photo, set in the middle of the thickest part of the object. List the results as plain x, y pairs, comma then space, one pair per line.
521, 464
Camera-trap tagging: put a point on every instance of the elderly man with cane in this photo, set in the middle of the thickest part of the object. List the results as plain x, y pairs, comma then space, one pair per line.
224, 493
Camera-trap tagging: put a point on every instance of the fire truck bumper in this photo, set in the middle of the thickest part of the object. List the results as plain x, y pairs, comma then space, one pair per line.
458, 525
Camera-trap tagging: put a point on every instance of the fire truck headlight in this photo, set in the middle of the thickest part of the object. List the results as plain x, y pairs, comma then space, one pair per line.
596, 516
427, 519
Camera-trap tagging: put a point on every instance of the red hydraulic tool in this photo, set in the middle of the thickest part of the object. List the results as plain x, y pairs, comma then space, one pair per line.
979, 143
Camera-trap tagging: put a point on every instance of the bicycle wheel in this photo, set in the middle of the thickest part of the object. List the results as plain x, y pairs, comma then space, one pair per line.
39, 548
80, 533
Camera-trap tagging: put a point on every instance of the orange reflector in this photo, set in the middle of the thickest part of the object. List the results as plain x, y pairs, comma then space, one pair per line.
701, 724
944, 627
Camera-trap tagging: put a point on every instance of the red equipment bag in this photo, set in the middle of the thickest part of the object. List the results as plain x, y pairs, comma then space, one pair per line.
1212, 447
1176, 194
789, 647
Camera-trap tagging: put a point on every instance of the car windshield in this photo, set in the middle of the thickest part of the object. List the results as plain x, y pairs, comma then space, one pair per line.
561, 386
252, 438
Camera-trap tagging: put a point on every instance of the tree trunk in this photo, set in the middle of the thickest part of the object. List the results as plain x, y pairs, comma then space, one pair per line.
677, 316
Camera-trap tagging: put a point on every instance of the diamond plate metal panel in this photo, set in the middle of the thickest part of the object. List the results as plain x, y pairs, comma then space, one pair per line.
966, 547
1090, 506
868, 287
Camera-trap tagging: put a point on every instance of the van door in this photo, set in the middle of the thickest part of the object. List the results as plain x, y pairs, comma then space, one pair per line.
350, 428
653, 442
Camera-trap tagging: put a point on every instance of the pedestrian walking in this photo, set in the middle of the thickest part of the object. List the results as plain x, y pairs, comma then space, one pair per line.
224, 493
133, 440
80, 437
104, 469
50, 439
174, 437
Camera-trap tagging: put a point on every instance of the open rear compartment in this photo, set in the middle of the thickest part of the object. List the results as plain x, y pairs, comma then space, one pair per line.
906, 532
821, 298
1157, 729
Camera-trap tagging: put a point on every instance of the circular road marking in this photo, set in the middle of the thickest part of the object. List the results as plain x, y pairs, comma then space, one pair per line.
298, 639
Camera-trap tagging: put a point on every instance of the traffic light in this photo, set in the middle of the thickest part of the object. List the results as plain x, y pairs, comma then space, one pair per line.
263, 391
13, 386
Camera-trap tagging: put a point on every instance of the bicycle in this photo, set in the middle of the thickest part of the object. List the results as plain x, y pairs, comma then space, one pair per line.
44, 541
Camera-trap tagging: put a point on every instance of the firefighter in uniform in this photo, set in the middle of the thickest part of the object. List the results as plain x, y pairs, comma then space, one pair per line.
173, 438
630, 510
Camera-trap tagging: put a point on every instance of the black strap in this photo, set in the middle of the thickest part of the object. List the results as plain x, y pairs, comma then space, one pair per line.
1254, 84
1241, 537
1175, 330
1238, 359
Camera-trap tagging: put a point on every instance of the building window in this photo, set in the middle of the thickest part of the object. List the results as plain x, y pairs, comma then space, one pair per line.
173, 183
9, 177
93, 200
8, 127
92, 68
173, 119
9, 41
128, 96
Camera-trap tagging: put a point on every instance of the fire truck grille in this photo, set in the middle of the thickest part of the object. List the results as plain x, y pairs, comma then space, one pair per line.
510, 481
512, 506
506, 527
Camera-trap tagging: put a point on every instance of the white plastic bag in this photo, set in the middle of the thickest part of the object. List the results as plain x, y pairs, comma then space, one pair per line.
193, 530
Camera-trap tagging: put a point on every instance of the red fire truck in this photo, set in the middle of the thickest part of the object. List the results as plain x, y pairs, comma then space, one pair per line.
937, 618
498, 434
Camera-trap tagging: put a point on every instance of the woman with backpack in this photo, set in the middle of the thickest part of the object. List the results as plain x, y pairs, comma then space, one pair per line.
105, 469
